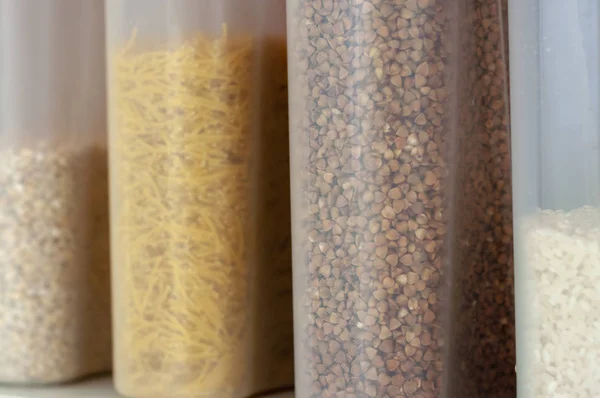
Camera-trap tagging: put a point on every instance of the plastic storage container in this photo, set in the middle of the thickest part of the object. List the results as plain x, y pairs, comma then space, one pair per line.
482, 349
556, 171
200, 197
401, 200
54, 254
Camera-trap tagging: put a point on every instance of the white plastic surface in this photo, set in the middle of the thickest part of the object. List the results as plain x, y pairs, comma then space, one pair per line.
51, 71
95, 388
54, 254
554, 57
554, 87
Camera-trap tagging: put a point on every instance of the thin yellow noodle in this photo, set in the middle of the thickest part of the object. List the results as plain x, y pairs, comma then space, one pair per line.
182, 152
184, 252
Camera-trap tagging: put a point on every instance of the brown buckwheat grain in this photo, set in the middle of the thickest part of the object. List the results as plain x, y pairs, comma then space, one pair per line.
483, 339
368, 116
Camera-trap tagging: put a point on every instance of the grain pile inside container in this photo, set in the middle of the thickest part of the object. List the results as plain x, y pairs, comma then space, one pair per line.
369, 172
563, 255
555, 99
54, 250
398, 119
54, 301
201, 198
482, 346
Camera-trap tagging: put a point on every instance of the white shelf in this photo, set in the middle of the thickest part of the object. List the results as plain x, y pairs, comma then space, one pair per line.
94, 388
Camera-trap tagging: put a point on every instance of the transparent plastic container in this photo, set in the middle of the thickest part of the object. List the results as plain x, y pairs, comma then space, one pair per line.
200, 197
54, 237
556, 171
401, 206
481, 353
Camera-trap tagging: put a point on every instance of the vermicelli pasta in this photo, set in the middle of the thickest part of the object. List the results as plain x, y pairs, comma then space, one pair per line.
182, 144
201, 218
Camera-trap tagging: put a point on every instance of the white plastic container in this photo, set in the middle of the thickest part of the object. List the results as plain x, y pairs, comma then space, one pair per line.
556, 171
200, 197
54, 254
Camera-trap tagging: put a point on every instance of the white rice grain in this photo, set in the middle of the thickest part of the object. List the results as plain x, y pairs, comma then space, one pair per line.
562, 272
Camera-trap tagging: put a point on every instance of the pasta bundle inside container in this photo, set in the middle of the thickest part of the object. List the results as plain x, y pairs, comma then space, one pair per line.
200, 197
394, 108
54, 252
556, 171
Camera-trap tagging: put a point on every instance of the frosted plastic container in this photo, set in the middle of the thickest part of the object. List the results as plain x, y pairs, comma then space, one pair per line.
402, 220
54, 251
200, 197
556, 171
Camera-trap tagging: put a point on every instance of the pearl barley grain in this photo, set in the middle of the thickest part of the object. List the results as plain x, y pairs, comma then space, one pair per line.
54, 258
